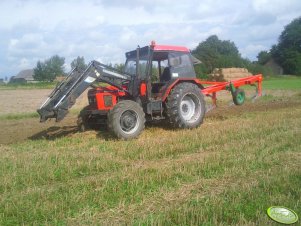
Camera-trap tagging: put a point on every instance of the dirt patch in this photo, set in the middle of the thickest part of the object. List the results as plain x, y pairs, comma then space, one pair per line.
225, 111
13, 131
27, 101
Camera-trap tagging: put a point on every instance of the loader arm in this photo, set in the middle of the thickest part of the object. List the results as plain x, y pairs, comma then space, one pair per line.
63, 97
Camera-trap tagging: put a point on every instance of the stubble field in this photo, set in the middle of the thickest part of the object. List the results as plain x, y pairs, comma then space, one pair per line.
226, 172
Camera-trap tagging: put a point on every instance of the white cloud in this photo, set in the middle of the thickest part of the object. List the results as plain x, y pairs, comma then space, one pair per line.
276, 6
252, 49
23, 63
34, 30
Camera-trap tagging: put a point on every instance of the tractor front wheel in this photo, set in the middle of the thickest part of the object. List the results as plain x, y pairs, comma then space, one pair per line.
185, 106
82, 120
126, 119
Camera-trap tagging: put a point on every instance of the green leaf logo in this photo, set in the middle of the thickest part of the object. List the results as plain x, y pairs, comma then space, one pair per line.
282, 215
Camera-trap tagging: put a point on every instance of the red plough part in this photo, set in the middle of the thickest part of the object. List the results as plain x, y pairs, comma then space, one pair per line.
255, 80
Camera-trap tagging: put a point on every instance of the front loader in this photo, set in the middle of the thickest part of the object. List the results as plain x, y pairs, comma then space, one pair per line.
157, 83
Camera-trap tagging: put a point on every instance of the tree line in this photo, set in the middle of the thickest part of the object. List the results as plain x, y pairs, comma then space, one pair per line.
53, 67
214, 53
287, 52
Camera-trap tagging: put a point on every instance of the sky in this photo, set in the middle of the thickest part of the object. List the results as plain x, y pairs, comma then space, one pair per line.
104, 30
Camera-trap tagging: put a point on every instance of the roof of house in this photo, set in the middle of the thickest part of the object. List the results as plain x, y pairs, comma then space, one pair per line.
276, 68
25, 74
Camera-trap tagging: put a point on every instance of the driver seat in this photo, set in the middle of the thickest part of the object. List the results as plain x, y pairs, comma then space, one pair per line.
166, 76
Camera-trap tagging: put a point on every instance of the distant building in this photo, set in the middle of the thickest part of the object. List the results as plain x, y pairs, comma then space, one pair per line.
25, 76
276, 68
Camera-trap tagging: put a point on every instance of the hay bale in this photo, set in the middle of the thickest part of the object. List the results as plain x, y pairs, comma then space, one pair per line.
216, 70
225, 70
227, 74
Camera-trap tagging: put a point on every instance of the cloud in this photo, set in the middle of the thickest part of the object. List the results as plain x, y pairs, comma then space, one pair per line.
252, 49
34, 30
277, 6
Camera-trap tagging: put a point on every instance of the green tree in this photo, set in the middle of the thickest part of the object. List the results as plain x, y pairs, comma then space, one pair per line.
119, 67
291, 61
201, 71
40, 73
263, 57
288, 50
49, 69
79, 62
215, 53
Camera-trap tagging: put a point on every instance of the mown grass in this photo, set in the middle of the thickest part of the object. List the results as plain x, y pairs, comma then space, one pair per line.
282, 83
39, 85
19, 116
226, 172
241, 206
26, 115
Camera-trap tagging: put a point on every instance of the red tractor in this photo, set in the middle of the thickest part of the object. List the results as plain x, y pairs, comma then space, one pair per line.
158, 82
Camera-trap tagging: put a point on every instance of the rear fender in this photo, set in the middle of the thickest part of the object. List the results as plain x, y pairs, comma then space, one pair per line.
173, 83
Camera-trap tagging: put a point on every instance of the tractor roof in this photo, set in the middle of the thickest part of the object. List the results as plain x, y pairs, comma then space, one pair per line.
156, 47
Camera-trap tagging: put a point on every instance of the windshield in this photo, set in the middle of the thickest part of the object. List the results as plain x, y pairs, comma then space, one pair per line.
130, 64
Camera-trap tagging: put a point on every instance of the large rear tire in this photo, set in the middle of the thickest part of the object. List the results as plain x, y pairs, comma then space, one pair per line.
126, 119
185, 106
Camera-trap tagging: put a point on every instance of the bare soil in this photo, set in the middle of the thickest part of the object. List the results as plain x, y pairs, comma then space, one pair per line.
13, 131
27, 101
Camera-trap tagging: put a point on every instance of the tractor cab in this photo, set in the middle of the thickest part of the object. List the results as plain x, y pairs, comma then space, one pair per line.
159, 65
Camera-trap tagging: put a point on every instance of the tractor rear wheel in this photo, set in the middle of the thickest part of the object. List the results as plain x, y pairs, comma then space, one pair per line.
126, 119
186, 106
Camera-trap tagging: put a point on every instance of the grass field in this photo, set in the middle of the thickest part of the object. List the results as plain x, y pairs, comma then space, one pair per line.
283, 83
40, 85
241, 161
